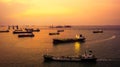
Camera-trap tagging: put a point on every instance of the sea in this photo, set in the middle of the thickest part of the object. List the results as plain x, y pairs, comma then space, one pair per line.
29, 51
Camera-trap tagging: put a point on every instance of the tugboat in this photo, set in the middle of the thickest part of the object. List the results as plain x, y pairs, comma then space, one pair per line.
86, 57
78, 39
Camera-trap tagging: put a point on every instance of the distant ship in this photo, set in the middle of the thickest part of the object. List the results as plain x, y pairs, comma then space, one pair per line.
26, 35
32, 30
59, 27
20, 31
57, 33
60, 30
4, 31
98, 31
66, 26
86, 57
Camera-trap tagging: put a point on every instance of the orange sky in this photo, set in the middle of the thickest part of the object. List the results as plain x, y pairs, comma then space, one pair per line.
60, 12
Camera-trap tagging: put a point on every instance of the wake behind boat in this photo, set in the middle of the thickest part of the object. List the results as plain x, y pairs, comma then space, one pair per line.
69, 40
86, 57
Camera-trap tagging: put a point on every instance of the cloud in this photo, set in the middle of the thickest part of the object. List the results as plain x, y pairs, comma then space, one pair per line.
96, 11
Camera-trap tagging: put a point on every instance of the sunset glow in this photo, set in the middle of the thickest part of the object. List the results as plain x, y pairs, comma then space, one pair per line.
72, 12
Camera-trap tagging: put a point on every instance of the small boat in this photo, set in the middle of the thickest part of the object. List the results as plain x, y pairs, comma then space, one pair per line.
26, 35
60, 30
86, 57
1, 31
54, 33
58, 41
98, 31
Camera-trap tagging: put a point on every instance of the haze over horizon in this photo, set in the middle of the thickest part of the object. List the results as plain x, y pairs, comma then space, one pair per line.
60, 12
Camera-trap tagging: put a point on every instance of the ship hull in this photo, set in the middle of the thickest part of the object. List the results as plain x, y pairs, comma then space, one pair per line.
58, 41
25, 35
4, 31
54, 33
21, 32
59, 59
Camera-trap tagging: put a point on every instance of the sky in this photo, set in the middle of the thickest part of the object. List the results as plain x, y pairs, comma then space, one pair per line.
60, 12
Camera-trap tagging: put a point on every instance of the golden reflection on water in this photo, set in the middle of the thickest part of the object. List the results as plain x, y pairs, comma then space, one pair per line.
77, 48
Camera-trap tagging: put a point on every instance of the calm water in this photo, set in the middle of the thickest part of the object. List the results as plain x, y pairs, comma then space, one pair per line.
28, 52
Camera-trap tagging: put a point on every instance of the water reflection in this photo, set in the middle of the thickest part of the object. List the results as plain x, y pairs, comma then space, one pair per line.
77, 48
